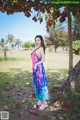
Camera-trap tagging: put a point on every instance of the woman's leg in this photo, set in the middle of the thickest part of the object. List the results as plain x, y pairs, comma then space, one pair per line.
39, 103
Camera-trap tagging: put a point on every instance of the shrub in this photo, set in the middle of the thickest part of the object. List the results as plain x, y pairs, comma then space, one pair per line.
28, 44
76, 46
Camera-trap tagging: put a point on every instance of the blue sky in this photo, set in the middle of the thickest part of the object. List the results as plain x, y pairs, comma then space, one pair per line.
20, 26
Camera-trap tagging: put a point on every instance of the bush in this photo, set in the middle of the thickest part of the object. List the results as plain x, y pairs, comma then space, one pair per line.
28, 44
76, 47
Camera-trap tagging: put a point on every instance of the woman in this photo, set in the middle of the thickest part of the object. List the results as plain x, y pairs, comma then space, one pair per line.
39, 77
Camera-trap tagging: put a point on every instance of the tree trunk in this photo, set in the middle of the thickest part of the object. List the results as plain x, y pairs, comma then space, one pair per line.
5, 54
72, 79
55, 49
70, 40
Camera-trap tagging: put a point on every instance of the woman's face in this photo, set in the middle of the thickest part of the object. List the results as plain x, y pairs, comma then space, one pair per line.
38, 41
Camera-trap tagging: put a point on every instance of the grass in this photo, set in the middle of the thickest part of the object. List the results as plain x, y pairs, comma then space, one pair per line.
16, 83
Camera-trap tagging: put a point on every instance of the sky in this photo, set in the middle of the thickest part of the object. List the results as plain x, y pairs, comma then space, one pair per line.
21, 26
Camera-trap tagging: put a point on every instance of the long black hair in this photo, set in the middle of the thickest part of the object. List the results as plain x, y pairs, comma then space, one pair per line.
42, 41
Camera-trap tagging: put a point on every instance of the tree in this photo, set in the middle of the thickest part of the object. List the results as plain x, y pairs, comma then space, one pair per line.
7, 43
76, 46
18, 42
11, 40
70, 40
57, 37
3, 44
28, 44
76, 28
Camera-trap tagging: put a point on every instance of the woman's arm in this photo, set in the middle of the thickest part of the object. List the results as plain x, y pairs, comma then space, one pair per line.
42, 57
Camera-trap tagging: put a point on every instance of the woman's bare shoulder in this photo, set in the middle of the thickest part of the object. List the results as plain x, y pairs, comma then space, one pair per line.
41, 49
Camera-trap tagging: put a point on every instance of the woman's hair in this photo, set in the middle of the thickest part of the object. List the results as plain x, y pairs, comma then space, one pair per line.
42, 41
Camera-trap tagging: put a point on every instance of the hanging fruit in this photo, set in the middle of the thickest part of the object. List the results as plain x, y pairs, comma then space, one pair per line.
42, 10
27, 14
40, 19
64, 14
20, 4
34, 18
36, 8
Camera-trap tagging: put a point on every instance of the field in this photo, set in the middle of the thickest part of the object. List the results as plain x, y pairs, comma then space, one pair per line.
16, 85
22, 60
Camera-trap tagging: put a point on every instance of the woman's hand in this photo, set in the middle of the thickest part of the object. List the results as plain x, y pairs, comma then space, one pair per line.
35, 66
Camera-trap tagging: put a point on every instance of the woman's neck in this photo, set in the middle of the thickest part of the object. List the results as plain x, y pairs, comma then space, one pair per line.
37, 46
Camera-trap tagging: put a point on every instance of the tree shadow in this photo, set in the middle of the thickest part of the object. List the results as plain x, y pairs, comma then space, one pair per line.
23, 79
12, 59
56, 77
16, 85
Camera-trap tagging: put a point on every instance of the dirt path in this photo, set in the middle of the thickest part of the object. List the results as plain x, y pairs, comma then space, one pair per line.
19, 102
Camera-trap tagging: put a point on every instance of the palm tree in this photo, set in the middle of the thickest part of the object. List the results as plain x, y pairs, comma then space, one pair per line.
6, 43
18, 42
3, 44
10, 40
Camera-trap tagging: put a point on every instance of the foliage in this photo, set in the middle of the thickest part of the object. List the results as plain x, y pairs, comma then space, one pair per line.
76, 28
3, 44
57, 37
11, 41
70, 102
18, 42
76, 46
28, 44
4, 47
8, 43
45, 6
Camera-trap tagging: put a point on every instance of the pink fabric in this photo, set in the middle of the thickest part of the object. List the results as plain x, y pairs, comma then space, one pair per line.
34, 59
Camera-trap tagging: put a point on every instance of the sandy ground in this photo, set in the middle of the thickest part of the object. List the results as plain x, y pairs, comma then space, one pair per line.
22, 59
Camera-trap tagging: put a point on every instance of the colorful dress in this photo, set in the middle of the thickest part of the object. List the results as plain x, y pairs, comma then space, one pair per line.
39, 78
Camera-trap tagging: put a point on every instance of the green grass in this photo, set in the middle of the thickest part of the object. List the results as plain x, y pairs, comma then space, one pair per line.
13, 59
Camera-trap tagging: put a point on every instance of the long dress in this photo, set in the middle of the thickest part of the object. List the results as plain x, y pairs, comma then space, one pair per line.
39, 78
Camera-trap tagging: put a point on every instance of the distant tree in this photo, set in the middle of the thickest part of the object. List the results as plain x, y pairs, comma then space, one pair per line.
9, 42
18, 42
28, 44
76, 46
10, 39
57, 37
76, 28
3, 45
